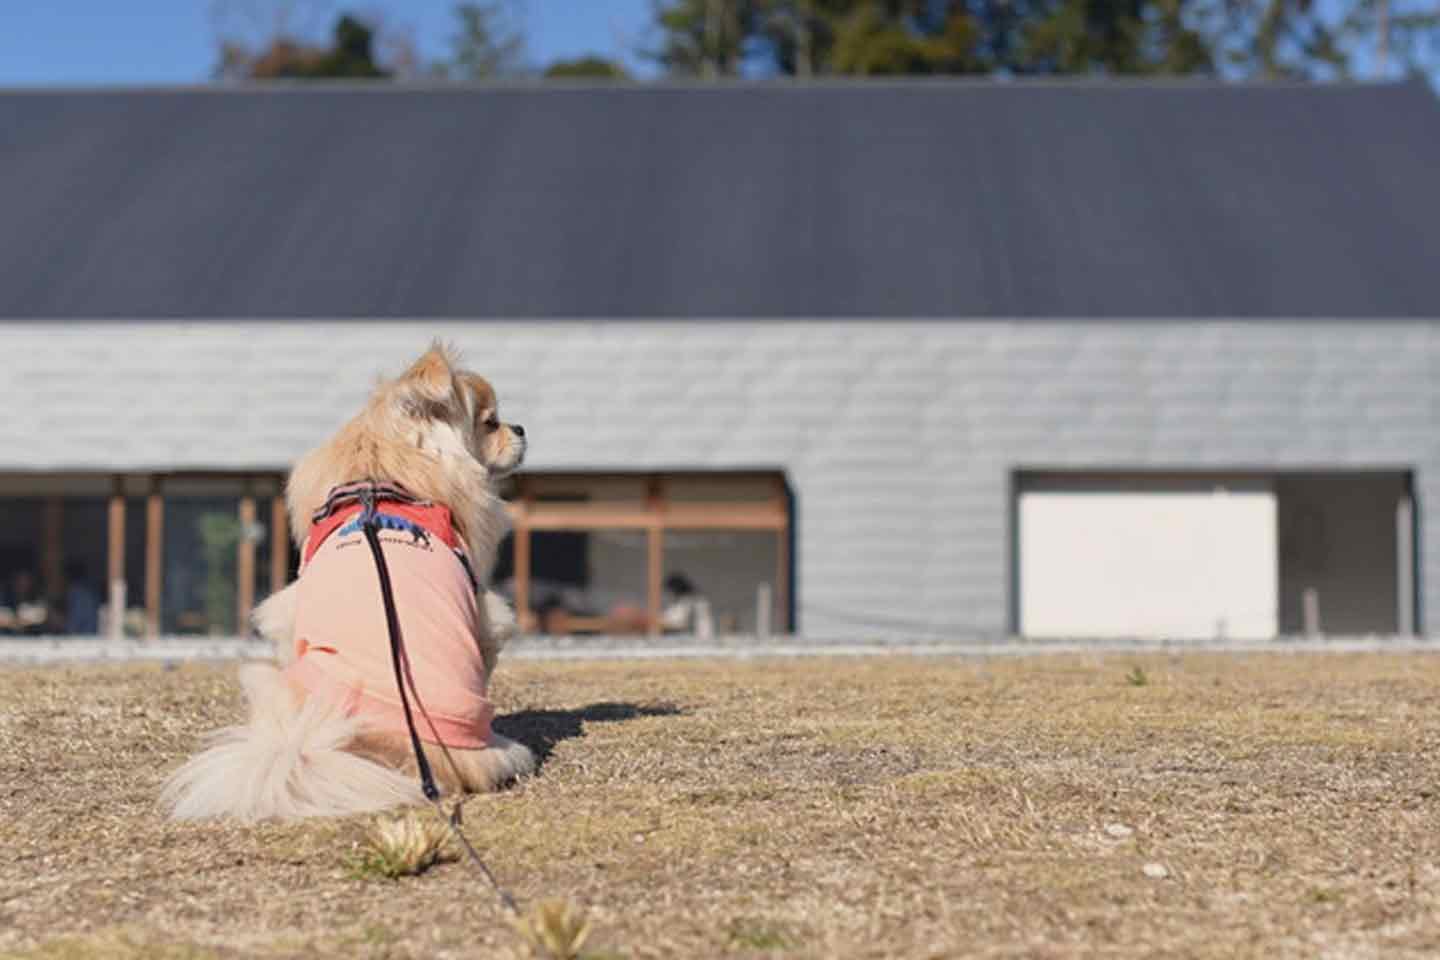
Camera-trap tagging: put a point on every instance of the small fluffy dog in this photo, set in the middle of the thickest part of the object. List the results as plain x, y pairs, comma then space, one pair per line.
326, 733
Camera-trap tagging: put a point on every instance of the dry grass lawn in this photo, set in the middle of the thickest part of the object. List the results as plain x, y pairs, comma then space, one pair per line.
1116, 806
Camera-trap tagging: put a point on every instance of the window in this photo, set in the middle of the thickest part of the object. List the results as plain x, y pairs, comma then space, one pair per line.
192, 554
214, 532
52, 553
178, 554
648, 553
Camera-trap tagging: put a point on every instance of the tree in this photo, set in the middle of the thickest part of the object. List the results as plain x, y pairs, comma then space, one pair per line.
796, 31
1144, 37
1025, 37
587, 66
246, 29
1402, 36
219, 533
706, 38
1280, 39
487, 43
349, 56
1240, 39
905, 38
1307, 40
875, 37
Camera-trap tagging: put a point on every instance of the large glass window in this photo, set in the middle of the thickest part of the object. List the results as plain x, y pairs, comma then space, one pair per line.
53, 542
202, 532
193, 554
218, 553
645, 553
591, 553
23, 604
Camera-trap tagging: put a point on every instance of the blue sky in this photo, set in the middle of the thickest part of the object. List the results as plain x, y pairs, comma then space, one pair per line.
97, 42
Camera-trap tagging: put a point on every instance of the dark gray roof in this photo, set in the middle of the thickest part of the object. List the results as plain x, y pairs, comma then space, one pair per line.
838, 200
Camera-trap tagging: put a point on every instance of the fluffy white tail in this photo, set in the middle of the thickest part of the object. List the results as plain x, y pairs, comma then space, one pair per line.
289, 761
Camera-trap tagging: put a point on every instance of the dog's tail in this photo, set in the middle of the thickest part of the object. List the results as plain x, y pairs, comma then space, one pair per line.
289, 761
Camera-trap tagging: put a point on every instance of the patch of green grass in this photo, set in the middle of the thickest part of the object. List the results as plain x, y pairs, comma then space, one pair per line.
1137, 677
377, 935
113, 945
554, 930
404, 846
749, 934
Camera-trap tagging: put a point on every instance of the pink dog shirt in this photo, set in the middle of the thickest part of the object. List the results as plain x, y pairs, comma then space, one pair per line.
342, 646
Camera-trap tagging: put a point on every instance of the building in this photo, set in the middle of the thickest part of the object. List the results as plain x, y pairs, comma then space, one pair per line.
913, 357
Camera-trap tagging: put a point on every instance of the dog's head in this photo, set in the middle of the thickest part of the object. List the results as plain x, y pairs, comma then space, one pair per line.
451, 412
435, 430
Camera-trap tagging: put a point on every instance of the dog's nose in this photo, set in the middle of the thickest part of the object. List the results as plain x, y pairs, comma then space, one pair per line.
519, 430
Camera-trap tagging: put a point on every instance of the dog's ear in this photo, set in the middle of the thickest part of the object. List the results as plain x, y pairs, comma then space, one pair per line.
428, 388
481, 396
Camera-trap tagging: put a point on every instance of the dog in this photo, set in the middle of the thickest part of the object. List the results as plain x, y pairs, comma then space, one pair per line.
327, 734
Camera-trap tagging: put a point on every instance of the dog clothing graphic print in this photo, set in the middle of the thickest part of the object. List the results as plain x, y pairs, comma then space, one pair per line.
342, 647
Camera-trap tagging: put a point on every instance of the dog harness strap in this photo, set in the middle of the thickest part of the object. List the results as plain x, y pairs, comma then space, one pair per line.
391, 507
356, 492
392, 623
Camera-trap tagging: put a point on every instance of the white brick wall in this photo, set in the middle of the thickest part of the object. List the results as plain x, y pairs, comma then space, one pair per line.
899, 438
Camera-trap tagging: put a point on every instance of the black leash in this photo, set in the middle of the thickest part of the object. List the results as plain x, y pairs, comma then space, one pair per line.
369, 524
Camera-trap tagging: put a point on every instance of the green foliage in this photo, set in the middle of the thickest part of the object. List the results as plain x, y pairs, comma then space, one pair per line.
872, 40
487, 44
1115, 36
352, 53
350, 56
1137, 677
1281, 39
1266, 39
887, 37
706, 38
402, 846
1236, 39
748, 934
588, 66
219, 534
554, 930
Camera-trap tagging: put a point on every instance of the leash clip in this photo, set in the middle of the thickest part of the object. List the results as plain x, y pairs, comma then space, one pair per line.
367, 505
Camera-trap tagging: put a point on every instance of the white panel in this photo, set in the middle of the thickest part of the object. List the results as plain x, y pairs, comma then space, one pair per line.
1178, 564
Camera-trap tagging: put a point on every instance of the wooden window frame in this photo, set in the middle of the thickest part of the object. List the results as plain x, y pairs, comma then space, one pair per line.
655, 514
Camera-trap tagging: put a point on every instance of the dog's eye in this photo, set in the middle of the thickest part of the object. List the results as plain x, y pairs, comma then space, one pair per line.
493, 423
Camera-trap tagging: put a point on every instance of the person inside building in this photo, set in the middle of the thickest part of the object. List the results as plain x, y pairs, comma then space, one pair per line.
684, 607
556, 611
32, 613
7, 609
82, 602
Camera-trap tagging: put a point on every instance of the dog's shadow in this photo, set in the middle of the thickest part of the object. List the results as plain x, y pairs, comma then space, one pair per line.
541, 730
